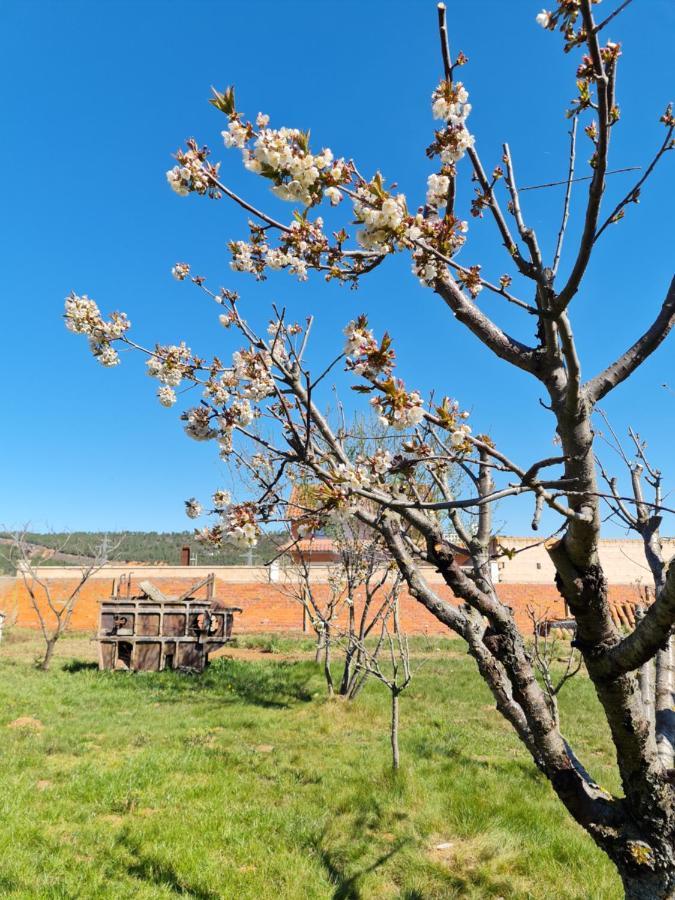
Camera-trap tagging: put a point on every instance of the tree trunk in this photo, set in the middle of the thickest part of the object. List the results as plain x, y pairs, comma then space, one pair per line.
49, 652
645, 677
651, 886
394, 730
326, 664
665, 714
357, 685
320, 641
347, 680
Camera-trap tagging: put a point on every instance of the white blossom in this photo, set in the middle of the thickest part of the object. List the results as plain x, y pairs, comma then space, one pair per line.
236, 134
543, 18
166, 395
180, 271
405, 412
221, 499
437, 190
198, 425
242, 260
193, 508
381, 461
449, 102
106, 355
334, 195
459, 436
179, 179
381, 219
359, 339
169, 364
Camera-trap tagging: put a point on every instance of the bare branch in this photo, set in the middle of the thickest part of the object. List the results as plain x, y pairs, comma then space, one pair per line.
634, 193
650, 634
599, 386
568, 195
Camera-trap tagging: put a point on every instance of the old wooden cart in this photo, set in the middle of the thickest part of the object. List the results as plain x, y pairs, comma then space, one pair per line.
147, 631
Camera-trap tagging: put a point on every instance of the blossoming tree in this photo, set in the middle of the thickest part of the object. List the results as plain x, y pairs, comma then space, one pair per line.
267, 397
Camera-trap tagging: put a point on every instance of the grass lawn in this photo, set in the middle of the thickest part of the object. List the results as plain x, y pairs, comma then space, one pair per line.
247, 783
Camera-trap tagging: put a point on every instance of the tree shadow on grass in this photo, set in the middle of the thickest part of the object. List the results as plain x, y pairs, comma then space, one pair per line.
79, 665
346, 885
276, 685
430, 748
160, 873
268, 684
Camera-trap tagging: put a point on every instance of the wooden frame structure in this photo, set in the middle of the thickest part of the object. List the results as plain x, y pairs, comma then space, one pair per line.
149, 632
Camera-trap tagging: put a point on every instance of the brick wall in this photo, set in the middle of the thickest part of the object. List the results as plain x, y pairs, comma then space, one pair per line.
266, 608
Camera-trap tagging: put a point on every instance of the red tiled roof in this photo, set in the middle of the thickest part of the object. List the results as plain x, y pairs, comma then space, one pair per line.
311, 545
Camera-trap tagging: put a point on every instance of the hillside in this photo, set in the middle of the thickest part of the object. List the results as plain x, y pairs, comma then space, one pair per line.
135, 546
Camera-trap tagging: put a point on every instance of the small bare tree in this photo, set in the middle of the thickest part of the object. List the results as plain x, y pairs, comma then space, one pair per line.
54, 614
360, 588
546, 650
320, 611
397, 675
644, 516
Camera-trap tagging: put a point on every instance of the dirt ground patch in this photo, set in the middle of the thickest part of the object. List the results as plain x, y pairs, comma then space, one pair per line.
250, 654
27, 722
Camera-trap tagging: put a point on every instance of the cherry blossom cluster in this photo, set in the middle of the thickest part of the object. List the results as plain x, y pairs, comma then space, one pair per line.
239, 413
384, 217
454, 421
438, 239
180, 271
459, 438
437, 190
83, 316
300, 247
240, 524
198, 423
193, 173
251, 369
449, 102
221, 499
217, 388
365, 471
365, 356
471, 280
380, 461
564, 17
237, 522
170, 365
396, 407
355, 477
262, 464
283, 155
193, 508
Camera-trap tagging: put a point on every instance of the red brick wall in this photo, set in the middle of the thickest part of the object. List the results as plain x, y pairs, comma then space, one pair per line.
267, 608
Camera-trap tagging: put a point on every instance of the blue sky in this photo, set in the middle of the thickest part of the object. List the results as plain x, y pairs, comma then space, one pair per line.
97, 95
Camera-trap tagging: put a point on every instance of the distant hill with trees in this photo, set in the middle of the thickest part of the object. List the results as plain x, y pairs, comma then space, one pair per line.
58, 548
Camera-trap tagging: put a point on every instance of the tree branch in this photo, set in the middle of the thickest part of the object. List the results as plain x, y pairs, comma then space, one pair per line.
501, 344
650, 634
599, 386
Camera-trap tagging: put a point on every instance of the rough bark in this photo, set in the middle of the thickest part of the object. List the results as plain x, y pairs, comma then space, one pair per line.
49, 652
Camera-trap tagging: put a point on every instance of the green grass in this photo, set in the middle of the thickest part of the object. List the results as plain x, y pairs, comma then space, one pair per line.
247, 783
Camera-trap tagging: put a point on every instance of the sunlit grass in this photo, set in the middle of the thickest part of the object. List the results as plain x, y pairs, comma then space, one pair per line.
247, 783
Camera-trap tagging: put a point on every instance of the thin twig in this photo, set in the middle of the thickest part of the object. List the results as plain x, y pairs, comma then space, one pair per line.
568, 194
